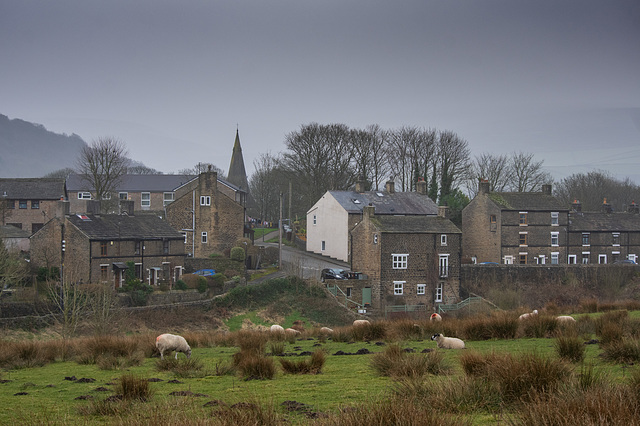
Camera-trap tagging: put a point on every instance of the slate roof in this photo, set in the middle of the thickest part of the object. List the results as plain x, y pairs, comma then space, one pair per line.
415, 224
396, 203
527, 201
32, 188
123, 227
135, 183
596, 221
10, 231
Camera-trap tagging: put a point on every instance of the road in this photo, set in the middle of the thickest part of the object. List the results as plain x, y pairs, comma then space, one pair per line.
302, 263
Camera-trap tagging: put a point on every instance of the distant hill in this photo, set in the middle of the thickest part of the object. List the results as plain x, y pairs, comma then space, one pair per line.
30, 150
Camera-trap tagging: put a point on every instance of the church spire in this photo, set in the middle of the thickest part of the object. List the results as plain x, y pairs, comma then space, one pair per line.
237, 173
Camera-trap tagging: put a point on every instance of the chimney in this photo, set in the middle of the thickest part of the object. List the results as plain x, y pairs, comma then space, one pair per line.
443, 211
483, 187
546, 189
126, 207
369, 211
62, 208
576, 206
633, 208
93, 207
606, 207
421, 186
390, 187
360, 185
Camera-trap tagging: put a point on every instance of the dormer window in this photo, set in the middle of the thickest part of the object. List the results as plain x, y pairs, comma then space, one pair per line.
356, 201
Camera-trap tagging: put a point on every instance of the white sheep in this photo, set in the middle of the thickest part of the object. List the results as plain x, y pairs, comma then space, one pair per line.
291, 332
326, 330
275, 328
435, 317
447, 342
358, 323
565, 319
528, 315
171, 342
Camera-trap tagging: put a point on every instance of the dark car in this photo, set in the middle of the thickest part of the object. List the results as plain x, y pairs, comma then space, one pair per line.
332, 274
623, 261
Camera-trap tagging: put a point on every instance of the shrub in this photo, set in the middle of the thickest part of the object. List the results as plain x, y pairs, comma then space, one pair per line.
622, 350
203, 286
133, 387
180, 285
570, 348
237, 254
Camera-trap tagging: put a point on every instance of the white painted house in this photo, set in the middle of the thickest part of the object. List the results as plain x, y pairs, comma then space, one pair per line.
337, 212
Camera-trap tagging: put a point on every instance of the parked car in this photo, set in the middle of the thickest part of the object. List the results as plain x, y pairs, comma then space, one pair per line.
332, 274
488, 263
205, 272
627, 261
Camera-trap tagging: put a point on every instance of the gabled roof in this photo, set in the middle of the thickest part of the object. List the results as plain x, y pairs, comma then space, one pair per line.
526, 201
596, 221
32, 188
123, 227
135, 183
415, 224
386, 203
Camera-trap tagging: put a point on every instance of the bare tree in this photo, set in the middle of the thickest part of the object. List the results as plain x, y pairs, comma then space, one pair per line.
13, 267
202, 168
266, 184
453, 161
404, 150
101, 307
102, 165
527, 174
494, 168
136, 167
591, 189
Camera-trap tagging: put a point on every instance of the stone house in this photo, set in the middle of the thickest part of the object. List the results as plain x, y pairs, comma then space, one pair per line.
209, 213
407, 260
96, 248
515, 227
14, 238
603, 237
28, 203
331, 218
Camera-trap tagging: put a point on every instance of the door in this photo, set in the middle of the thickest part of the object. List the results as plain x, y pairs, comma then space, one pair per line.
366, 296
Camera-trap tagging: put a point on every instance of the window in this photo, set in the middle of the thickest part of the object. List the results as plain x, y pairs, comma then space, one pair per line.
443, 240
523, 218
439, 291
541, 260
22, 204
585, 239
523, 238
349, 291
616, 239
184, 234
145, 200
35, 204
203, 238
103, 248
375, 238
554, 218
167, 198
123, 195
398, 287
11, 204
104, 271
323, 245
399, 261
493, 223
523, 258
571, 259
205, 200
602, 259
138, 271
585, 257
443, 265
315, 219
165, 247
554, 239
422, 289
554, 258
137, 247
84, 195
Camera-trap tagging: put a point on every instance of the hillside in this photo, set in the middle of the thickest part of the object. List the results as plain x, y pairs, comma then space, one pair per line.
30, 150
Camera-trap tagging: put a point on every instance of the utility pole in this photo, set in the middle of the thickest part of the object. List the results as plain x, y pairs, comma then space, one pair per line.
280, 236
289, 217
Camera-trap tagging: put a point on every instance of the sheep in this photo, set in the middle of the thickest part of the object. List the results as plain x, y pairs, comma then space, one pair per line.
435, 317
275, 328
358, 323
528, 315
291, 332
326, 330
171, 342
448, 342
565, 319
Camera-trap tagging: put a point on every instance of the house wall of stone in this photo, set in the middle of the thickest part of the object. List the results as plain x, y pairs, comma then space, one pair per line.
538, 236
30, 219
481, 239
46, 245
366, 258
602, 243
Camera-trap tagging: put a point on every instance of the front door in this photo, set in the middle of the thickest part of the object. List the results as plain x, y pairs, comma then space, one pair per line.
366, 296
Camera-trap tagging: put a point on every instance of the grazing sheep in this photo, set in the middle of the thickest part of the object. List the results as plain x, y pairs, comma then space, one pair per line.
528, 315
565, 319
275, 328
447, 342
291, 332
358, 323
171, 342
435, 317
326, 330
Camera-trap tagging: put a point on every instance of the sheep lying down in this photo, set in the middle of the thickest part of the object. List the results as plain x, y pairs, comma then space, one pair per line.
171, 342
447, 342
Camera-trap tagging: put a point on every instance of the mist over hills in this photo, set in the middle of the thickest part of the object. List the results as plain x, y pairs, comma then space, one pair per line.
30, 150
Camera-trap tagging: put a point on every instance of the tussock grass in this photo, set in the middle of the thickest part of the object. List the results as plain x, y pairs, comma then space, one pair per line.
622, 351
395, 362
182, 367
313, 365
253, 366
374, 331
539, 326
570, 348
133, 387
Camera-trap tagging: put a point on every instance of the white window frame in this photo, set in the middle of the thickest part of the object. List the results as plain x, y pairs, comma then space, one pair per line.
555, 236
588, 235
398, 288
375, 238
84, 195
541, 260
572, 259
399, 260
526, 239
555, 257
633, 257
443, 265
184, 233
443, 239
555, 219
615, 236
421, 289
508, 260
204, 237
167, 198
315, 219
437, 297
205, 200
145, 200
602, 259
585, 257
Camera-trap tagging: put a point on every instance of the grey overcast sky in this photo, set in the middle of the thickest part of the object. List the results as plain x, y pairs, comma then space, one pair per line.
172, 79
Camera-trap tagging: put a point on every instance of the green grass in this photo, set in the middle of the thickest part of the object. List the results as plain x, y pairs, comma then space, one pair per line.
259, 232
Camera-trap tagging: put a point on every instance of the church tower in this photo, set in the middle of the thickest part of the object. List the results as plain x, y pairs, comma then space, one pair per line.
237, 173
